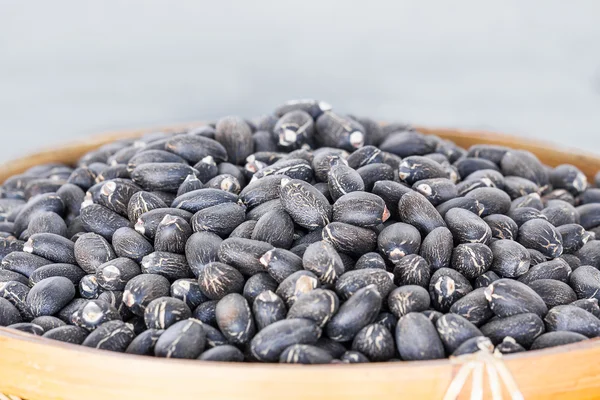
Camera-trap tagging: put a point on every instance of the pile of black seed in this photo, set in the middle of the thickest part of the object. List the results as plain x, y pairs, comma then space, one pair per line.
304, 236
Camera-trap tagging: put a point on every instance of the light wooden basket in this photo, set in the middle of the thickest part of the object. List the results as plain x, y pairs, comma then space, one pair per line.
34, 368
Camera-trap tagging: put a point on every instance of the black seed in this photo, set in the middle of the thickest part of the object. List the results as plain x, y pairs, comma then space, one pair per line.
585, 281
523, 328
281, 263
244, 230
350, 239
47, 222
206, 170
467, 227
556, 269
200, 199
270, 342
568, 177
364, 156
473, 345
532, 200
560, 194
390, 192
306, 205
416, 210
502, 226
509, 346
170, 265
112, 336
115, 274
412, 270
353, 357
417, 338
360, 310
553, 339
352, 281
370, 260
216, 280
516, 186
99, 219
318, 305
465, 187
225, 182
259, 211
494, 201
493, 153
446, 287
372, 173
142, 289
339, 131
590, 305
45, 202
454, 330
540, 235
323, 260
507, 297
144, 343
474, 307
223, 353
375, 342
50, 295
510, 258
417, 168
172, 234
293, 168
200, 249
67, 334
47, 322
525, 165
163, 312
296, 285
361, 209
268, 308
460, 202
93, 314
407, 143
436, 190
23, 263
589, 254
234, 318
275, 227
130, 244
407, 299
472, 259
89, 288
257, 284
194, 148
261, 191
554, 293
27, 327
188, 291
572, 319
243, 254
9, 314
205, 312
69, 271
184, 339
142, 202
235, 136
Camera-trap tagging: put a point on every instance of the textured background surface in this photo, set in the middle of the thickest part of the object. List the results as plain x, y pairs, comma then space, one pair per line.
70, 68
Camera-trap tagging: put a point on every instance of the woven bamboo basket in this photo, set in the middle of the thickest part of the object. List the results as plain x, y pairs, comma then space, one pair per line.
33, 368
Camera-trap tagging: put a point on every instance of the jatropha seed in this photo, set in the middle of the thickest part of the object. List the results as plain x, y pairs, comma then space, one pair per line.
305, 236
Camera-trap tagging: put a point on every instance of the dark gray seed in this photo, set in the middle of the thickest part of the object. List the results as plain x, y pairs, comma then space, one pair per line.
436, 190
92, 250
259, 211
364, 156
163, 312
372, 173
112, 335
524, 164
507, 297
194, 148
322, 259
474, 307
200, 199
532, 200
554, 293
116, 194
473, 345
360, 310
47, 222
352, 281
417, 168
502, 226
590, 195
324, 158
468, 165
436, 248
433, 315
293, 129
234, 318
41, 186
89, 288
99, 219
257, 284
144, 343
23, 263
353, 357
375, 342
370, 260
200, 249
509, 346
454, 330
115, 274
446, 287
153, 156
7, 276
318, 305
484, 280
573, 261
350, 239
305, 354
281, 263
275, 227
243, 254
235, 135
585, 281
309, 237
184, 339
214, 337
306, 205
472, 259
205, 312
244, 230
9, 314
493, 153
390, 192
589, 215
412, 270
192, 182
130, 244
339, 131
540, 235
296, 285
342, 179
261, 191
268, 308
123, 155
50, 295
161, 176
407, 143
494, 200
516, 186
398, 240
465, 187
293, 168
556, 269
361, 209
560, 194
172, 234
568, 177
590, 305
511, 259
416, 210
45, 202
115, 298
388, 320
93, 314
170, 265
559, 212
553, 339
589, 254
572, 319
407, 299
10, 245
225, 182
47, 322
188, 291
223, 353
417, 338
270, 342
467, 227
233, 170
523, 328
83, 177
69, 271
72, 197
27, 327
536, 257
142, 202
142, 289
335, 349
460, 202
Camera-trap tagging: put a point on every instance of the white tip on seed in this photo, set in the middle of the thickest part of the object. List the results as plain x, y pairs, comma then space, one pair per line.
91, 312
110, 273
209, 160
28, 246
266, 258
139, 227
357, 139
287, 137
128, 298
267, 296
168, 220
488, 292
108, 188
285, 181
425, 189
386, 214
397, 253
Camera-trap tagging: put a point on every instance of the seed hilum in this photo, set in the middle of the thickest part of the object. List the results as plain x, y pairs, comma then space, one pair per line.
304, 236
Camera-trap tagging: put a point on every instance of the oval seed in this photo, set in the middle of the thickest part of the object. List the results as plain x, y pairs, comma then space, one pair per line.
112, 336
184, 339
234, 318
508, 297
318, 305
92, 250
142, 289
454, 330
572, 319
375, 342
50, 295
67, 334
321, 259
417, 338
407, 299
130, 244
446, 287
163, 312
268, 308
540, 235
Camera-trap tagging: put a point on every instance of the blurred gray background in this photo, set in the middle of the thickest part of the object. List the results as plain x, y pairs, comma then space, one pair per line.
72, 68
